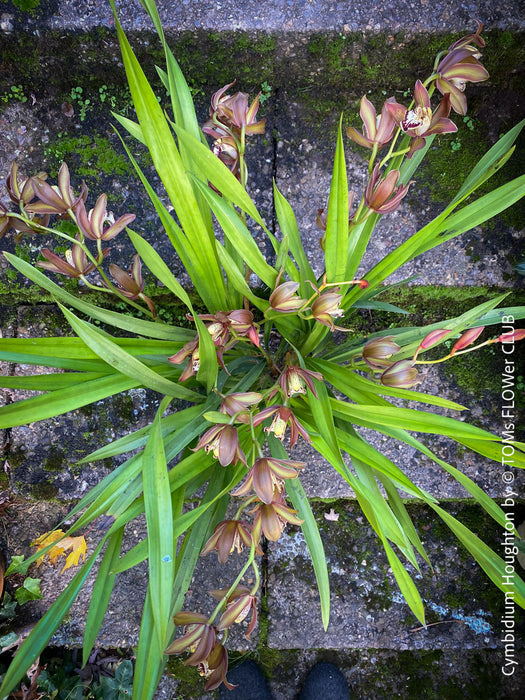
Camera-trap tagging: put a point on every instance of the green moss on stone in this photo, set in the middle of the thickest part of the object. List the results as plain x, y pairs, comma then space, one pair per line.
87, 156
55, 461
44, 491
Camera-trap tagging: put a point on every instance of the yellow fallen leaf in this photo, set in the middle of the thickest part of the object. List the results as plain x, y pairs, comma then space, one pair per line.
77, 545
78, 549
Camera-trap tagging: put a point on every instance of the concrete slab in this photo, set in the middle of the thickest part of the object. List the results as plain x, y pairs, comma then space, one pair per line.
283, 15
367, 610
120, 628
378, 674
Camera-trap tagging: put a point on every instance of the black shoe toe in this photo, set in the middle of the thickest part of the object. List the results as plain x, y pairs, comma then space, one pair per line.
325, 682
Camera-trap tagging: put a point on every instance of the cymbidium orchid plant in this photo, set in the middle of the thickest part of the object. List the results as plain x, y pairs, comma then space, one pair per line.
263, 367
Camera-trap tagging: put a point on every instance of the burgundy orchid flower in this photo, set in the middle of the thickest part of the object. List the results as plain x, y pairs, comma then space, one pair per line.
283, 417
58, 199
76, 265
215, 667
237, 404
223, 442
295, 380
419, 122
327, 307
240, 603
467, 338
21, 192
93, 226
458, 68
376, 130
381, 194
284, 298
131, 285
229, 535
271, 518
199, 637
191, 350
267, 475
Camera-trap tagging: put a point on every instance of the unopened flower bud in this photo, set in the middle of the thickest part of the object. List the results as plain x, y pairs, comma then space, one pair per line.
513, 337
326, 307
401, 375
378, 351
284, 298
433, 337
467, 338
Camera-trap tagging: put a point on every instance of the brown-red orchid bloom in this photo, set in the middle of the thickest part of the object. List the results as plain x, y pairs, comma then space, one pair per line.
223, 442
229, 536
267, 475
419, 122
376, 130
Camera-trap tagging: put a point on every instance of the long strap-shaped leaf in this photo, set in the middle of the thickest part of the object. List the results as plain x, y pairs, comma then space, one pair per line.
348, 381
101, 594
49, 382
493, 565
490, 162
111, 318
336, 238
405, 583
310, 531
125, 363
161, 545
237, 232
289, 228
168, 163
212, 169
75, 348
63, 400
410, 419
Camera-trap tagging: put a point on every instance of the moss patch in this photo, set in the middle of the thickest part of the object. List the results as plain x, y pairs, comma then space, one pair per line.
87, 156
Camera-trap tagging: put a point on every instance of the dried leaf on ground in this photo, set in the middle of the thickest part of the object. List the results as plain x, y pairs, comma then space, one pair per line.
77, 545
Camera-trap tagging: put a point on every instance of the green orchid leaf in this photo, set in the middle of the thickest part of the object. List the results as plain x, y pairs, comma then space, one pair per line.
492, 564
289, 228
161, 542
310, 531
238, 234
170, 167
62, 401
211, 168
405, 583
101, 594
492, 161
125, 363
336, 236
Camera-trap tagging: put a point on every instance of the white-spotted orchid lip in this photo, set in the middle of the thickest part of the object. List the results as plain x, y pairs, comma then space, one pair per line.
417, 120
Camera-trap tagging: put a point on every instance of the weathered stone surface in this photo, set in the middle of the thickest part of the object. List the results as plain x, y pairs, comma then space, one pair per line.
372, 635
384, 673
120, 628
281, 15
367, 610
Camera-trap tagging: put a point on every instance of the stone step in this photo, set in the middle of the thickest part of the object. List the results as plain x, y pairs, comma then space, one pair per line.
42, 456
467, 616
279, 16
310, 77
314, 59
